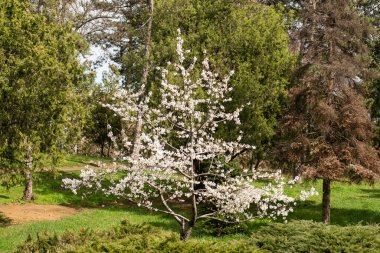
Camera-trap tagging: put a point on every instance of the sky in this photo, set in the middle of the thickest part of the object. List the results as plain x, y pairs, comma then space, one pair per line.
101, 61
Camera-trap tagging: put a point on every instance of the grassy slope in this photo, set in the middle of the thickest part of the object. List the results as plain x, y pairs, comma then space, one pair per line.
350, 204
73, 160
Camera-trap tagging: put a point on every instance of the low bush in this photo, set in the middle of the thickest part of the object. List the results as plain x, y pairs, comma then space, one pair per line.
297, 236
220, 228
127, 238
4, 221
307, 236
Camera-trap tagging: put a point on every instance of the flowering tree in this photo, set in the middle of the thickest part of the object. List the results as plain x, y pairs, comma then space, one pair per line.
177, 143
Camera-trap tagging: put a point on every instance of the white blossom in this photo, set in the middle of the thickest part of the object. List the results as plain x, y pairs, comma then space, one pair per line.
181, 159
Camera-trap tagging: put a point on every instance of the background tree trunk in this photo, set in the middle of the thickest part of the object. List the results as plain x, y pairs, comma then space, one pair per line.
185, 233
102, 149
28, 191
144, 81
326, 201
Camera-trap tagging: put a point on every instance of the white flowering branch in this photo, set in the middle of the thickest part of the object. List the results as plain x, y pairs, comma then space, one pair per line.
181, 160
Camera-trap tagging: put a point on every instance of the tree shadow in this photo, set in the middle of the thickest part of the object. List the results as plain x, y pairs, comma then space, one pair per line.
79, 161
4, 221
309, 210
371, 193
48, 185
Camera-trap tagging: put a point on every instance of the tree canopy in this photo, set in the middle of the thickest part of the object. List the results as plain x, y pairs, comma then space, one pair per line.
41, 86
245, 36
327, 131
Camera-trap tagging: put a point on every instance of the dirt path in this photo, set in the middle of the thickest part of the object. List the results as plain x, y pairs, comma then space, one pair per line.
67, 168
71, 168
20, 213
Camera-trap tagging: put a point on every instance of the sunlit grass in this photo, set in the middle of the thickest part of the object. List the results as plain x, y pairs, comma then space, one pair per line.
350, 204
66, 160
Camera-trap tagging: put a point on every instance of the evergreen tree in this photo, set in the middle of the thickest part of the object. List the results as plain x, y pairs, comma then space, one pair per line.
327, 130
101, 119
41, 83
245, 36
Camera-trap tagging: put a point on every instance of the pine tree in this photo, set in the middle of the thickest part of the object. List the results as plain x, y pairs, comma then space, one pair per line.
41, 84
327, 130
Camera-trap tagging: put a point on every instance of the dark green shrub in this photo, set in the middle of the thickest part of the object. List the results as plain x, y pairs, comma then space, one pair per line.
297, 236
46, 243
127, 238
220, 228
307, 236
4, 221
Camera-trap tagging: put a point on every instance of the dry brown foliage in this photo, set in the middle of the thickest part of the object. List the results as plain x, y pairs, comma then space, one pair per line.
327, 131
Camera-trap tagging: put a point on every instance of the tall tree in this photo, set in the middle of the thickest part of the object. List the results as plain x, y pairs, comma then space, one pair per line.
40, 84
125, 26
143, 89
241, 35
176, 138
371, 10
101, 120
327, 130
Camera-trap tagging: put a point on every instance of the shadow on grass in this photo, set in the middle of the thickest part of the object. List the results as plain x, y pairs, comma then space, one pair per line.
87, 160
308, 210
4, 221
4, 197
79, 161
371, 193
49, 190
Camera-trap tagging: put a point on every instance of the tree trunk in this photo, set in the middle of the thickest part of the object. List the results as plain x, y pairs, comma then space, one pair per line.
144, 82
137, 136
102, 149
185, 233
326, 201
28, 191
41, 4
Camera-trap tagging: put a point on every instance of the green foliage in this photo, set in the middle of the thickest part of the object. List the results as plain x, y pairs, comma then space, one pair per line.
306, 236
220, 228
243, 36
350, 205
125, 238
4, 221
102, 120
298, 236
42, 84
374, 95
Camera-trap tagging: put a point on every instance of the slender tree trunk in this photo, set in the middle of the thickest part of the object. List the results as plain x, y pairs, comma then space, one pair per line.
257, 164
326, 201
187, 228
144, 82
41, 4
28, 191
185, 233
102, 149
137, 136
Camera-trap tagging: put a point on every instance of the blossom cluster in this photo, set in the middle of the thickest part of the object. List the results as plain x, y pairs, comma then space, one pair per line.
181, 160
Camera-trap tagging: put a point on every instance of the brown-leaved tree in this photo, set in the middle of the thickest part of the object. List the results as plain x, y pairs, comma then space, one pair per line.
327, 131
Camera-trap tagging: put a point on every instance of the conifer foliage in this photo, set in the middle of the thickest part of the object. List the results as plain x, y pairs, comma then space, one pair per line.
327, 130
40, 80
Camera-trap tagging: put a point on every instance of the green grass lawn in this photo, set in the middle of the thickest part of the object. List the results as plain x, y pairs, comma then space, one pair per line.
72, 160
351, 204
